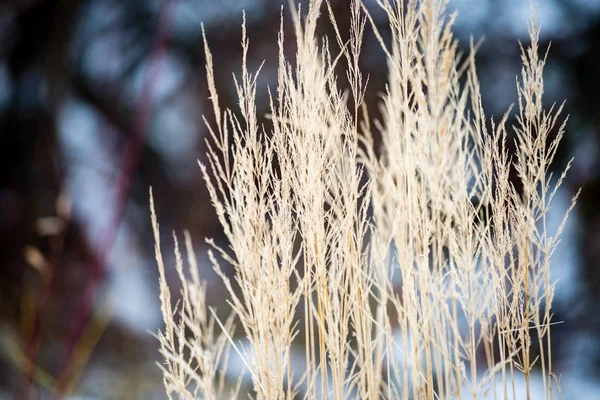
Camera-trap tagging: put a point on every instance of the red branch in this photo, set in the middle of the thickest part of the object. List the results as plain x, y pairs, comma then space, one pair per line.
97, 271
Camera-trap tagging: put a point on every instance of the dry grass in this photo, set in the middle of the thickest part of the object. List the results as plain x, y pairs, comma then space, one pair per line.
318, 253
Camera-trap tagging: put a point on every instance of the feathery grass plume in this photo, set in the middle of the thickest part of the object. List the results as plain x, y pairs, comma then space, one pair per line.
425, 282
193, 353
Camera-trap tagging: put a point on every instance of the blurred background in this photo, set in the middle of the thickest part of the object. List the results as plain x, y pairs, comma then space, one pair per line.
100, 99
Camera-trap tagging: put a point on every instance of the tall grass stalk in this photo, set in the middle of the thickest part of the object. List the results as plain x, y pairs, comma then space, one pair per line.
417, 270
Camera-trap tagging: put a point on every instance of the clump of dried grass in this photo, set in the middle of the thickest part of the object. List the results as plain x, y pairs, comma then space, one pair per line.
315, 249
